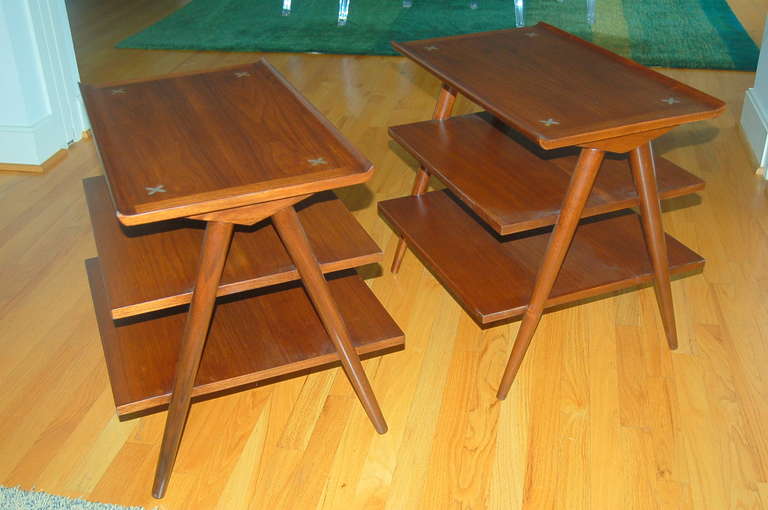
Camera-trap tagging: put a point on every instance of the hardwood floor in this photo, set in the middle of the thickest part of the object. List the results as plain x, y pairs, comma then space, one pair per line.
601, 416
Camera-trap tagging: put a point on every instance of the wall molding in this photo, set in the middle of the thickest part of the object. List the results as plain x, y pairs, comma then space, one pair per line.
754, 114
36, 169
754, 124
31, 145
43, 78
49, 163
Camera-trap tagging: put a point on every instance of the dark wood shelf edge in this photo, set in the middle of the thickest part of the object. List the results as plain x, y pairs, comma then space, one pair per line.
404, 48
156, 404
103, 317
285, 188
106, 230
108, 336
685, 182
229, 289
692, 263
676, 272
589, 211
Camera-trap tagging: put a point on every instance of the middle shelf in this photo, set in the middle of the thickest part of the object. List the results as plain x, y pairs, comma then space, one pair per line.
152, 267
492, 276
514, 185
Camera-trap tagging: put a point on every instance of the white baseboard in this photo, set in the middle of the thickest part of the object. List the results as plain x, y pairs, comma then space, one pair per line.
31, 145
754, 124
40, 75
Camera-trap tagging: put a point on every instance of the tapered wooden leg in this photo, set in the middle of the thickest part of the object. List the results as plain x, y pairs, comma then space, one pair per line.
443, 109
295, 240
644, 173
212, 257
559, 241
419, 187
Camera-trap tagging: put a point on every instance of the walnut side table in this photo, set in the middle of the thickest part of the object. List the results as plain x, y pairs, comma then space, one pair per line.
217, 187
558, 109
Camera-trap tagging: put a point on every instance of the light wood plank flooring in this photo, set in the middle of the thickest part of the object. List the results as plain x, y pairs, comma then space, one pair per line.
602, 415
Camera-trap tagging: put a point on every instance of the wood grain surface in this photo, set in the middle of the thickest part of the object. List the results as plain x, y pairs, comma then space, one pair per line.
199, 142
443, 109
326, 306
511, 183
550, 264
152, 267
601, 415
267, 335
189, 352
556, 88
492, 277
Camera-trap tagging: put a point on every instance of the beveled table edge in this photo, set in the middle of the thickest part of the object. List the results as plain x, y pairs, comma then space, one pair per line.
242, 195
718, 106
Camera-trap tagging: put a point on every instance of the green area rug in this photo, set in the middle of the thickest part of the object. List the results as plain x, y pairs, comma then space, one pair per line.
668, 33
17, 499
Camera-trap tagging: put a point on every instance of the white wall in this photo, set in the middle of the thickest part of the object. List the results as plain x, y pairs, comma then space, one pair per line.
40, 106
754, 116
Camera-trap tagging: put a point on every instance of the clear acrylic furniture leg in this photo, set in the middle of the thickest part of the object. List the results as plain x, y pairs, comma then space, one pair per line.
519, 14
343, 12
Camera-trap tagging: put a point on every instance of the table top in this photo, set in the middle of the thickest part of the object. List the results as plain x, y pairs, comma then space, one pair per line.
192, 143
557, 89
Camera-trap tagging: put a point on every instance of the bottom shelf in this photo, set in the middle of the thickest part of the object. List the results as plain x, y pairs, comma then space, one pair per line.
492, 276
254, 336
